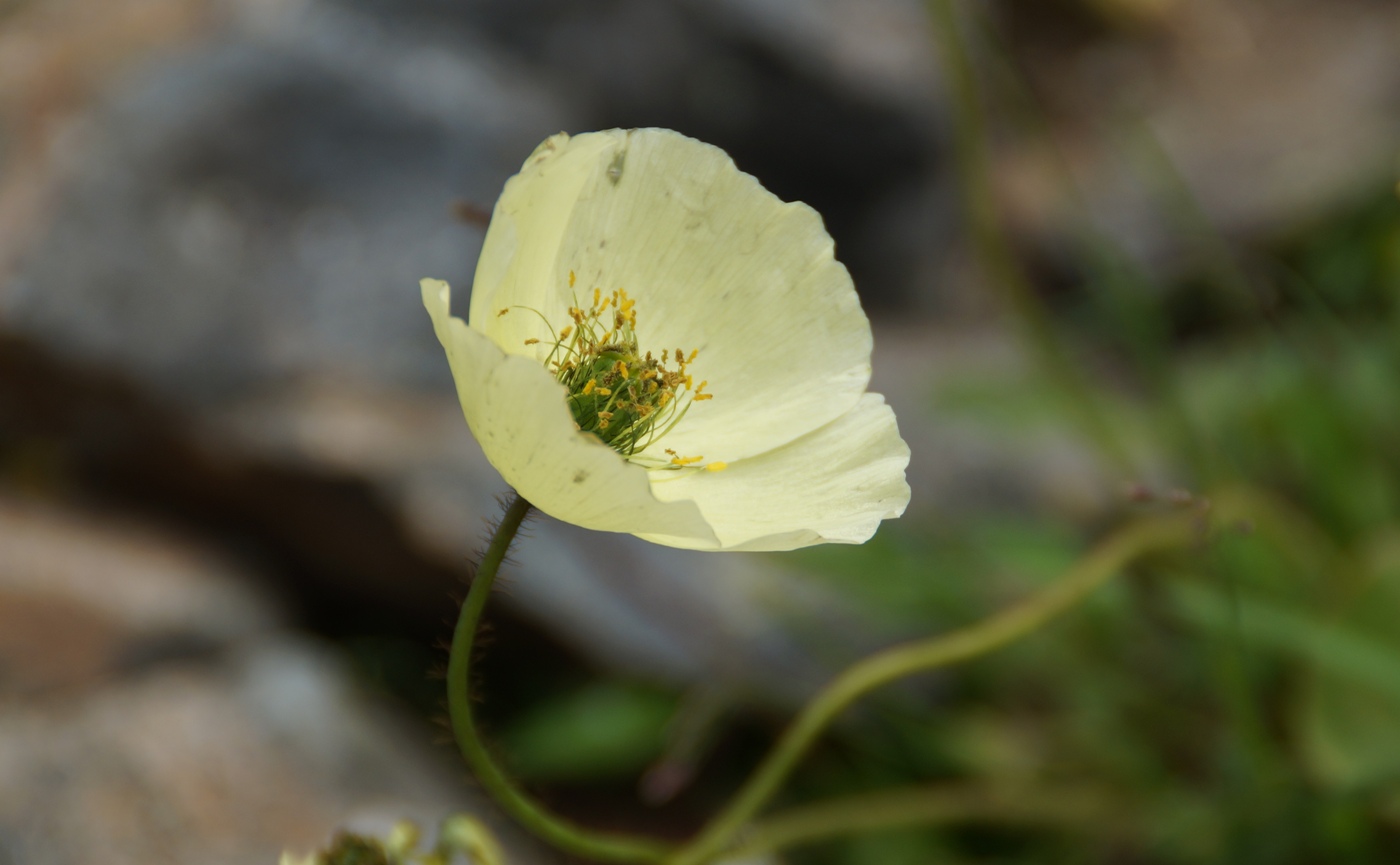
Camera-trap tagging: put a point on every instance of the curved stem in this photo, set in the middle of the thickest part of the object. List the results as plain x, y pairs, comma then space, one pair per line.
1090, 572
529, 813
921, 806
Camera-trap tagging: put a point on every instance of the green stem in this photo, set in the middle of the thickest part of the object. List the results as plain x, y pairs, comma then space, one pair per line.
529, 813
1090, 572
994, 254
922, 806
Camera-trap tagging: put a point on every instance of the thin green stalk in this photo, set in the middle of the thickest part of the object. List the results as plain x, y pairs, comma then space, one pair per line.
529, 813
994, 254
1090, 572
923, 806
1222, 265
1127, 293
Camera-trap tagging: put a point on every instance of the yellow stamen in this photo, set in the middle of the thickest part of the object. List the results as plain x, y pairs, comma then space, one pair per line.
701, 397
502, 312
588, 388
716, 467
685, 461
602, 391
564, 334
571, 279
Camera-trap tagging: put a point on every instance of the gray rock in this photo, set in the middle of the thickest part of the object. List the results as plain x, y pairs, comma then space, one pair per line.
263, 209
242, 233
226, 763
152, 710
84, 598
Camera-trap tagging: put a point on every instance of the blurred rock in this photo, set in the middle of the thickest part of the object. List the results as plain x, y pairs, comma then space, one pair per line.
228, 762
240, 238
82, 599
264, 207
58, 57
151, 713
1268, 113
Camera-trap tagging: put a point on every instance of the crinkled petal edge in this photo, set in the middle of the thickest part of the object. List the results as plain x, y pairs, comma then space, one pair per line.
833, 485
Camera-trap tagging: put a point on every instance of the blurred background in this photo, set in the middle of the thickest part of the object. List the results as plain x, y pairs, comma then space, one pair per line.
1121, 256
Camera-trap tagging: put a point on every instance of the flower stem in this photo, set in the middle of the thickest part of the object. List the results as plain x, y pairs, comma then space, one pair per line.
1090, 572
529, 813
922, 806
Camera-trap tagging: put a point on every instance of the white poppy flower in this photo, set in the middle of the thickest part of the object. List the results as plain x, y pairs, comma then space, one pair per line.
610, 257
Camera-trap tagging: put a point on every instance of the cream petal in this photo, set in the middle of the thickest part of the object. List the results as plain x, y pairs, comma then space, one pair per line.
520, 261
833, 485
715, 262
518, 414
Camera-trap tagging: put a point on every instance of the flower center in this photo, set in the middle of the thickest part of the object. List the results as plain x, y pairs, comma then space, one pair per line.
627, 398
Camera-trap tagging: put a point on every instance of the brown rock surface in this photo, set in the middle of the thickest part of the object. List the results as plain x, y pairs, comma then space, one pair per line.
151, 712
82, 598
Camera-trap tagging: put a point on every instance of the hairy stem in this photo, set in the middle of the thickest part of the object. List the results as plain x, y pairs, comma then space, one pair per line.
529, 813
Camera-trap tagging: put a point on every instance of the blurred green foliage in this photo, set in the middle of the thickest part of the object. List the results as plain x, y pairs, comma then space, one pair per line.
1237, 704
1240, 705
597, 732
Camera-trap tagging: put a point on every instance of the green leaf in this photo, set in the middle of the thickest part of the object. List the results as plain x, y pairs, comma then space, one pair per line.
599, 731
